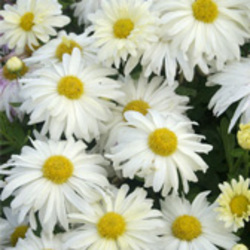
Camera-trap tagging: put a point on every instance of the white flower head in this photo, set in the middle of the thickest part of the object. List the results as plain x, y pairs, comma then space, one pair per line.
123, 29
12, 230
191, 226
145, 94
119, 221
234, 80
200, 28
27, 22
54, 50
234, 203
70, 97
50, 177
44, 242
157, 148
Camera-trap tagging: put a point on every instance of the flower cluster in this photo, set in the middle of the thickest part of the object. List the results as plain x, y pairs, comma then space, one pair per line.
105, 146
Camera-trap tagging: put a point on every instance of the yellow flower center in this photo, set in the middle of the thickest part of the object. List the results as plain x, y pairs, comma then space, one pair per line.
243, 136
123, 27
13, 75
162, 142
66, 47
239, 205
137, 105
111, 226
71, 87
26, 21
19, 232
186, 228
205, 10
57, 169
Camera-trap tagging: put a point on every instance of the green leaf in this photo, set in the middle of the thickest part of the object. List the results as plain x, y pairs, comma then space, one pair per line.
13, 135
66, 3
181, 90
237, 152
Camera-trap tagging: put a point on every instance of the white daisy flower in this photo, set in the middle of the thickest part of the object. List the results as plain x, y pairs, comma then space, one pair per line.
83, 8
54, 50
234, 203
235, 87
50, 177
123, 29
15, 230
44, 242
201, 29
28, 22
70, 97
142, 95
193, 226
158, 148
146, 94
119, 221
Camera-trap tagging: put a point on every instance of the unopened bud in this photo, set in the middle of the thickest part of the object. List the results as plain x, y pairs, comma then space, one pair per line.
239, 247
243, 136
14, 64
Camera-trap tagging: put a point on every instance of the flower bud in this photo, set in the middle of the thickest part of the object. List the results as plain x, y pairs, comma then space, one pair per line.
14, 64
239, 247
243, 136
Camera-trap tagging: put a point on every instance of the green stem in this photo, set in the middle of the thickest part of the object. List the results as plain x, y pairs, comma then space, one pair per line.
246, 162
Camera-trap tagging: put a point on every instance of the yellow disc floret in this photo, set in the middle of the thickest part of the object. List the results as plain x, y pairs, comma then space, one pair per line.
71, 87
66, 47
57, 169
19, 232
111, 225
162, 142
205, 10
137, 105
27, 21
186, 228
243, 136
123, 27
239, 205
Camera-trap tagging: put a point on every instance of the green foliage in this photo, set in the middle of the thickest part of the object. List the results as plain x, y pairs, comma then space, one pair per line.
66, 3
13, 136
